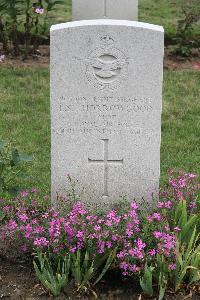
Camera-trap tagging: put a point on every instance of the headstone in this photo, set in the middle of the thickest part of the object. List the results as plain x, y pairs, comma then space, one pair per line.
110, 9
106, 102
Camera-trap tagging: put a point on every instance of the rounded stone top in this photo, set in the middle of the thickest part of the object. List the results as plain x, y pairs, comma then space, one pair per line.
108, 22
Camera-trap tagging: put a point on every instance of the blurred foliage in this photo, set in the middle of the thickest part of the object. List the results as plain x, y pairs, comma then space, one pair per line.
184, 39
23, 23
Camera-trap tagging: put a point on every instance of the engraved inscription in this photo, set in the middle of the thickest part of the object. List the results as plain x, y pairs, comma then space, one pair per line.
110, 116
106, 163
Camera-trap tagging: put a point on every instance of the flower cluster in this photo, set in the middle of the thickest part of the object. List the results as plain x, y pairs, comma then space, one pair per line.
135, 236
36, 229
183, 186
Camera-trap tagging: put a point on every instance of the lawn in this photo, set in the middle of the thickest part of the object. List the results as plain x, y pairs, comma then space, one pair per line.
25, 115
161, 12
25, 120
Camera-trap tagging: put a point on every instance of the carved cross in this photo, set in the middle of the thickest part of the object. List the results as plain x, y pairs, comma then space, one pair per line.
106, 162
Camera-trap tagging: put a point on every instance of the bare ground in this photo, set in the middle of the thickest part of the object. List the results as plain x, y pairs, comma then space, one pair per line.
41, 60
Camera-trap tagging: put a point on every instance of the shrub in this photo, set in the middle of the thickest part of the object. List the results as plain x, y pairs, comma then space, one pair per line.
184, 38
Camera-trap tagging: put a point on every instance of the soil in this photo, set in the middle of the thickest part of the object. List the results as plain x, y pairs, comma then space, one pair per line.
18, 282
41, 59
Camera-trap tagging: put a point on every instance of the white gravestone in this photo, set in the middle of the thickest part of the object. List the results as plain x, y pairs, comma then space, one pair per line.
106, 102
110, 9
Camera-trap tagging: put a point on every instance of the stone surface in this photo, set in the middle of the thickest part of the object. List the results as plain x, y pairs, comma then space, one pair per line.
111, 9
106, 102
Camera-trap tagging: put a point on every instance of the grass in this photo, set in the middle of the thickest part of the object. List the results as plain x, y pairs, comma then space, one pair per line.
25, 120
25, 116
161, 12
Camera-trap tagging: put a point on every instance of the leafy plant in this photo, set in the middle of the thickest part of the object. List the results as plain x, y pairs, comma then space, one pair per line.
84, 269
185, 222
161, 274
146, 281
188, 261
54, 282
10, 161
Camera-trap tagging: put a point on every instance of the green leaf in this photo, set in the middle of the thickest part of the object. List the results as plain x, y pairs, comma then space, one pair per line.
162, 286
45, 274
146, 281
182, 214
23, 157
189, 226
109, 261
2, 144
15, 157
2, 215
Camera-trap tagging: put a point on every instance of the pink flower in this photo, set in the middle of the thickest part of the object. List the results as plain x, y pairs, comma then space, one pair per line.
22, 217
168, 204
6, 209
134, 205
129, 232
80, 234
41, 242
73, 249
182, 182
179, 194
34, 190
152, 252
12, 225
164, 194
157, 234
140, 244
160, 205
173, 183
177, 229
170, 172
97, 228
149, 219
122, 254
24, 194
45, 215
108, 223
133, 268
124, 265
172, 266
192, 205
167, 228
156, 216
39, 10
101, 245
108, 244
191, 176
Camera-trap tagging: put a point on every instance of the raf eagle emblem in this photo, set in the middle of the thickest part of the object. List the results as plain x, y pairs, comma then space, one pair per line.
106, 68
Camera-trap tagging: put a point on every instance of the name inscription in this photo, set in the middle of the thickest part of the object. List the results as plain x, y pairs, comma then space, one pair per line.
103, 115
